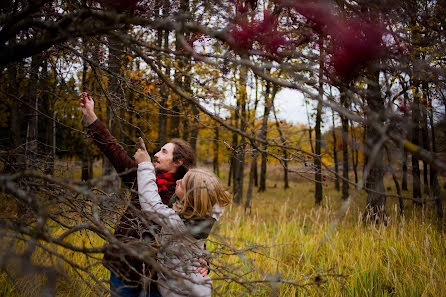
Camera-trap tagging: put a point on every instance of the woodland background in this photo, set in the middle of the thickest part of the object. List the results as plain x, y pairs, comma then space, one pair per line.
352, 209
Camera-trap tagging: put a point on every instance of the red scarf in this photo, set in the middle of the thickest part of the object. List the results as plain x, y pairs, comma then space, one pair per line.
165, 181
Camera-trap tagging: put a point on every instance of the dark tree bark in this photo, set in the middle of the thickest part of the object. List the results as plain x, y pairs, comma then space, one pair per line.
16, 160
425, 135
376, 199
114, 66
415, 160
317, 159
404, 162
310, 130
48, 121
263, 135
404, 173
335, 153
174, 130
395, 180
354, 151
256, 172
256, 175
345, 169
285, 153
86, 156
32, 112
239, 161
251, 182
163, 42
215, 161
231, 164
436, 190
233, 170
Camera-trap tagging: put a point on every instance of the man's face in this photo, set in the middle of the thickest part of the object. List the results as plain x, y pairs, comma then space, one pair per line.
163, 160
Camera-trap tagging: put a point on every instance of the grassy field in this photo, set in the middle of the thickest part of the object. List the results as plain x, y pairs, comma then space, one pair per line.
282, 248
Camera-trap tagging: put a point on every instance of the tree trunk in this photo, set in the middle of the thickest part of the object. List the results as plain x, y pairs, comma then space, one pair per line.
404, 186
310, 130
194, 127
344, 120
178, 80
16, 161
251, 182
433, 171
231, 164
240, 159
335, 153
425, 135
375, 210
263, 135
86, 157
404, 168
111, 185
354, 152
215, 160
285, 153
395, 180
32, 115
256, 175
415, 161
317, 159
48, 122
163, 36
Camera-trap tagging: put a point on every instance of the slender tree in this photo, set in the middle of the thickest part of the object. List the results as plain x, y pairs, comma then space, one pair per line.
376, 198
335, 152
318, 140
344, 121
263, 135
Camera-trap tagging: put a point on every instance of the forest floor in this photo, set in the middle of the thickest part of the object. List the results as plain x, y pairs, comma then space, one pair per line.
287, 246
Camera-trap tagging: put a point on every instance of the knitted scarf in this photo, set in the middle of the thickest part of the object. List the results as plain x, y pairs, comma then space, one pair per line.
164, 181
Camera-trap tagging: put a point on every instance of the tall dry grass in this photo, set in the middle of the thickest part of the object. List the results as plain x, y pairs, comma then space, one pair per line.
280, 249
404, 258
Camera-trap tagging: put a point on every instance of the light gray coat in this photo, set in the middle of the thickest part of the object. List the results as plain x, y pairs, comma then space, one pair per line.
179, 252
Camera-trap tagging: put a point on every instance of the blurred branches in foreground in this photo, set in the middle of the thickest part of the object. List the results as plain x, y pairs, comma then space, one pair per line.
209, 72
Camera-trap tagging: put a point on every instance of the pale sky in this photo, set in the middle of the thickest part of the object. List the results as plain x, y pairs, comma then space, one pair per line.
290, 104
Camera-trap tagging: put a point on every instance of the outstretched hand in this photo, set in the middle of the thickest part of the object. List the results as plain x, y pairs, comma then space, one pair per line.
87, 107
141, 154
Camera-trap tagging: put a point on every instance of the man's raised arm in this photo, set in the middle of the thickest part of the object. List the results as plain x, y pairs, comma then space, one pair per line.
108, 144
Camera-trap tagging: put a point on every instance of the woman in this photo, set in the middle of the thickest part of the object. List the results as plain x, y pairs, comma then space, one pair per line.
199, 202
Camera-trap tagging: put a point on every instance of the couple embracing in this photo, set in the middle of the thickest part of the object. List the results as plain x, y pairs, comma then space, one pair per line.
174, 206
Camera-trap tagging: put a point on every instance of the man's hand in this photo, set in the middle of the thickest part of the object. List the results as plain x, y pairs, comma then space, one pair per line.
141, 154
203, 270
87, 107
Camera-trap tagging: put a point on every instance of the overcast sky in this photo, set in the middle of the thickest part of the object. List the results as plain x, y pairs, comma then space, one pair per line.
290, 104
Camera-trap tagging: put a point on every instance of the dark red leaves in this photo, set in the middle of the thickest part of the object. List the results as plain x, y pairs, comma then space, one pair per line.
355, 44
242, 36
352, 43
245, 33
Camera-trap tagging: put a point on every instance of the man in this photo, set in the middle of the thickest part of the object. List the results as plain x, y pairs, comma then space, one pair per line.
171, 163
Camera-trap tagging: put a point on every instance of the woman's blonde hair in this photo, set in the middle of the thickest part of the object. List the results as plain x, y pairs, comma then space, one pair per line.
202, 190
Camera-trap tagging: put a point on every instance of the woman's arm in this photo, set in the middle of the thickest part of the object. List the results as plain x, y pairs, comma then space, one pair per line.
149, 198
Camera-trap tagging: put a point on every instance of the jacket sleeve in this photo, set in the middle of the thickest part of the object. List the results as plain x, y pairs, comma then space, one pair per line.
151, 202
114, 152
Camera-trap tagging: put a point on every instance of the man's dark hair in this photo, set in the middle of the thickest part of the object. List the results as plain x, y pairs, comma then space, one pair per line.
184, 152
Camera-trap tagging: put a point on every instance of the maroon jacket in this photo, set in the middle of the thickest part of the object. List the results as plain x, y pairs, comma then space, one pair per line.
130, 227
